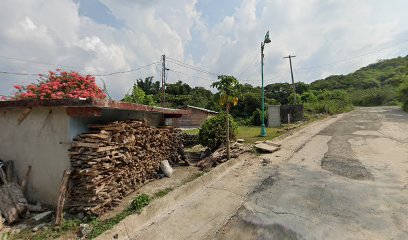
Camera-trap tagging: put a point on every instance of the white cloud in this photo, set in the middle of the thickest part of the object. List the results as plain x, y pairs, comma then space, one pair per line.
318, 32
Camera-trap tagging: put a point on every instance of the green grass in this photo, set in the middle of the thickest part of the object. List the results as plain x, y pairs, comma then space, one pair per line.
163, 192
192, 131
192, 177
251, 134
48, 233
137, 205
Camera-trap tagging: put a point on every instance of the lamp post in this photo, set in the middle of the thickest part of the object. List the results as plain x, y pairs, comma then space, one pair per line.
266, 40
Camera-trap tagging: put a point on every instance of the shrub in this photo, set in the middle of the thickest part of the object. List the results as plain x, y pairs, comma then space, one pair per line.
374, 96
403, 94
332, 102
60, 85
213, 132
256, 118
139, 203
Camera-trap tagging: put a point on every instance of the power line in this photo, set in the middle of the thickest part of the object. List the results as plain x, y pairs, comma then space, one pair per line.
19, 74
250, 65
122, 72
199, 69
37, 62
190, 75
96, 75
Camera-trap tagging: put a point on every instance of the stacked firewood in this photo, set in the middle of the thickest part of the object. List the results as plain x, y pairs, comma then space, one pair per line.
220, 155
112, 160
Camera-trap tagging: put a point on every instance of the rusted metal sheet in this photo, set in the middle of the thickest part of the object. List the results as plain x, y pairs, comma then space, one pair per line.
84, 112
93, 103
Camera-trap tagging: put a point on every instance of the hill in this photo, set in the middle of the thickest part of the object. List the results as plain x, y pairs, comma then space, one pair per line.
390, 72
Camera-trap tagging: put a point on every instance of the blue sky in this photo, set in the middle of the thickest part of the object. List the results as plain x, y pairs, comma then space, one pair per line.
103, 36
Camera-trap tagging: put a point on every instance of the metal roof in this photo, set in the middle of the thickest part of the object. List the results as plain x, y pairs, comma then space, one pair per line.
202, 109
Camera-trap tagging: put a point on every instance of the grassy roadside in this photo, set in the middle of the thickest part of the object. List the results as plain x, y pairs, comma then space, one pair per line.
251, 134
69, 229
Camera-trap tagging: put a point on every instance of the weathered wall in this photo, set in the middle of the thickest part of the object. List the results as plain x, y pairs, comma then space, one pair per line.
274, 116
195, 119
40, 141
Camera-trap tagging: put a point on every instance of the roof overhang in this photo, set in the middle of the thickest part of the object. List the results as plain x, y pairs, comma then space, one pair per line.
92, 107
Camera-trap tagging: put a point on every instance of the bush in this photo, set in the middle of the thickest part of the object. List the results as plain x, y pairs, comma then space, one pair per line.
213, 132
61, 85
256, 118
332, 102
403, 94
374, 96
139, 203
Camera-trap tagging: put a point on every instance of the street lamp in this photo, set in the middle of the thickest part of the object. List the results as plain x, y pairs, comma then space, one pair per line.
266, 40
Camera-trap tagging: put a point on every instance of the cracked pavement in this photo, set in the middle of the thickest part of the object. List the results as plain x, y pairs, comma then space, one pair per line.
342, 178
348, 182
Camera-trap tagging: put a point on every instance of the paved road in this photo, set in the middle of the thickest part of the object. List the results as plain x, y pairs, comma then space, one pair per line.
350, 181
343, 178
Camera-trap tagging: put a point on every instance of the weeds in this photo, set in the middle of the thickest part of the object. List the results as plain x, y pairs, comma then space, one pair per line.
193, 177
48, 233
163, 192
137, 205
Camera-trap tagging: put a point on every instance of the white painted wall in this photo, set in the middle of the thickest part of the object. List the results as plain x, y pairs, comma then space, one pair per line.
36, 141
42, 140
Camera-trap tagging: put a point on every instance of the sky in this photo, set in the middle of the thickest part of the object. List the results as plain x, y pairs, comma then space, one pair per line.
200, 38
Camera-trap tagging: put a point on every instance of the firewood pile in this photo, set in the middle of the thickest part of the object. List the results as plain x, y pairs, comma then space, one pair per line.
220, 156
112, 160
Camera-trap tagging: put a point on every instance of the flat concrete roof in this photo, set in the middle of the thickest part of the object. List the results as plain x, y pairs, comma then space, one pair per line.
91, 107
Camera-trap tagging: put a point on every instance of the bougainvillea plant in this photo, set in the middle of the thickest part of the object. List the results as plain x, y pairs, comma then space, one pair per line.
60, 85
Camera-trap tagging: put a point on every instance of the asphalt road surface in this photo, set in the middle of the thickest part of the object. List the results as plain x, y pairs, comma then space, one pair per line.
350, 181
342, 178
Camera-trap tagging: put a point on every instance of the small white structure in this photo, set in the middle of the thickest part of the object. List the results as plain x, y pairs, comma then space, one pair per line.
38, 133
274, 119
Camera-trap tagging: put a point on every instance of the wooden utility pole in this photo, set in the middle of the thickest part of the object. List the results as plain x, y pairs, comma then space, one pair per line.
291, 74
163, 99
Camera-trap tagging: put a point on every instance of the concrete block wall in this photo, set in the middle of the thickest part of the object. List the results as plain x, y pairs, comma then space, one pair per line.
40, 141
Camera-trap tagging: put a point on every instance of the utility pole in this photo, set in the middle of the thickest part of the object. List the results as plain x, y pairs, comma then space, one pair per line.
291, 74
163, 98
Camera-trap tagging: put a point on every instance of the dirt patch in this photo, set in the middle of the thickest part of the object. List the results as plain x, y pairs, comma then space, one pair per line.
350, 168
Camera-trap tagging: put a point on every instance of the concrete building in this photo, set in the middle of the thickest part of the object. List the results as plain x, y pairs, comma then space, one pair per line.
195, 119
38, 133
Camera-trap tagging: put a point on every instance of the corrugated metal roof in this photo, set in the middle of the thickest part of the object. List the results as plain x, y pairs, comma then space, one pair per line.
202, 109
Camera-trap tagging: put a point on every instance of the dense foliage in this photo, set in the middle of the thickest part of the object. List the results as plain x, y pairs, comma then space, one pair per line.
381, 83
403, 93
213, 132
61, 85
391, 72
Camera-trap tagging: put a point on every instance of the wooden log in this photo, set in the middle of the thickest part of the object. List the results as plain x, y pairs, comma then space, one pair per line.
61, 198
12, 201
24, 182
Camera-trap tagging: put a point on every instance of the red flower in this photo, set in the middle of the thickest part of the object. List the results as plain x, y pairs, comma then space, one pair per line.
59, 85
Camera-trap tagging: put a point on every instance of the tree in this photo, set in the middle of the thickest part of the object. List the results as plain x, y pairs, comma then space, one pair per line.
403, 93
228, 87
139, 96
148, 86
